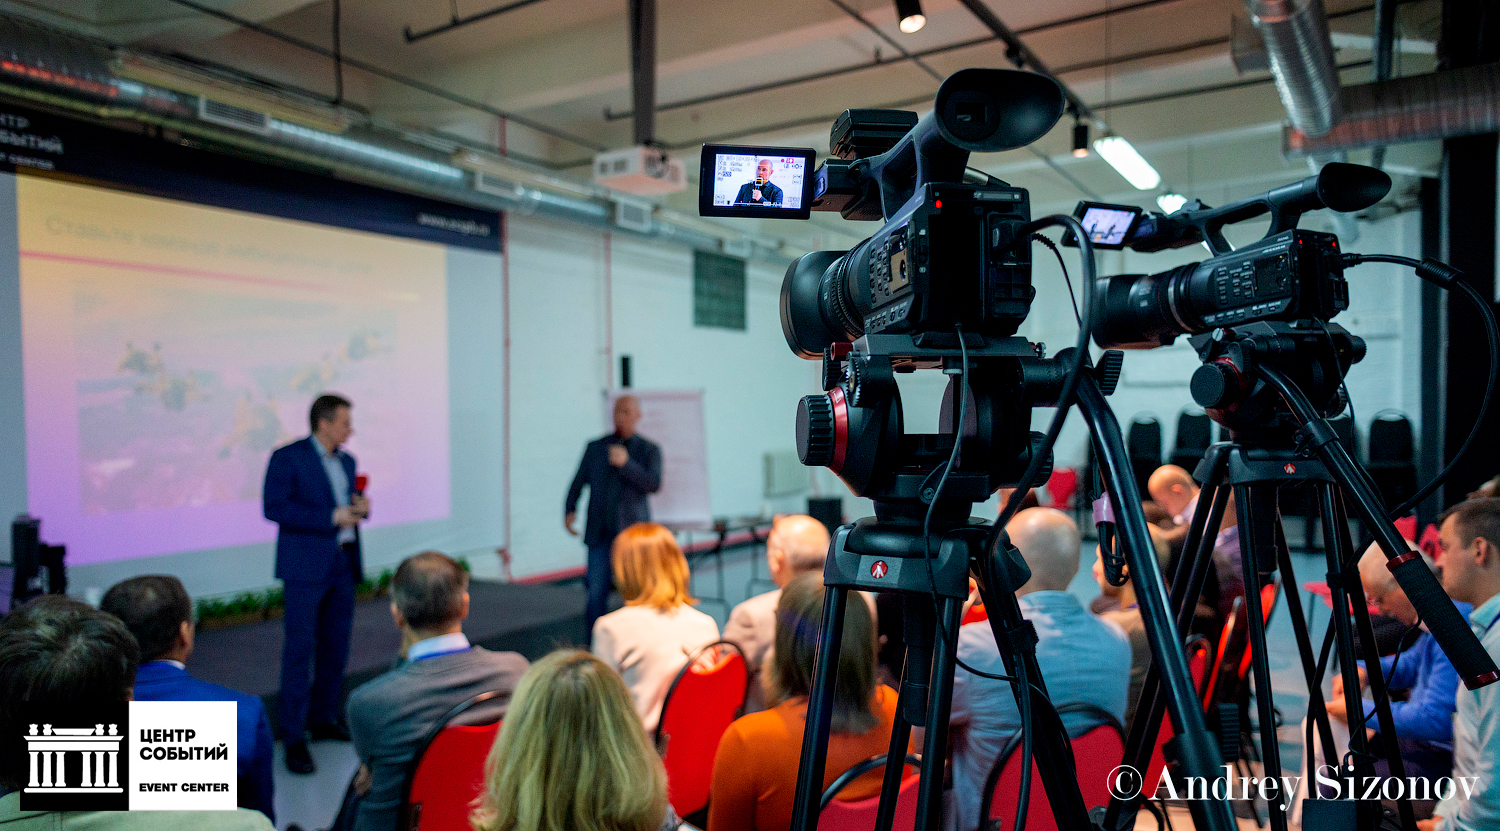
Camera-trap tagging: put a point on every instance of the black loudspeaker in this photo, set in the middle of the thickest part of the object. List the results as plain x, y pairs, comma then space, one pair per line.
828, 510
625, 372
37, 568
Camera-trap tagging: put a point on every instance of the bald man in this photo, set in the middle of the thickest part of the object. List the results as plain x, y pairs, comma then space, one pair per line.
1424, 721
1173, 489
1083, 659
797, 544
620, 471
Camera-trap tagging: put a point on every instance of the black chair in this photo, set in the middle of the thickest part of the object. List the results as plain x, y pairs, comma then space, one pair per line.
1392, 462
1144, 444
1300, 501
1194, 432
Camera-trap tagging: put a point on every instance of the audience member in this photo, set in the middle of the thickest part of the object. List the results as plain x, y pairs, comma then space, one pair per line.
1127, 615
797, 544
1083, 659
572, 756
755, 769
158, 612
439, 669
1470, 541
650, 639
58, 650
1174, 490
1423, 721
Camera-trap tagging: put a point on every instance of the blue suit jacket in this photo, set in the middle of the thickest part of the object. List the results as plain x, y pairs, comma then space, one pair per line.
161, 681
298, 497
617, 495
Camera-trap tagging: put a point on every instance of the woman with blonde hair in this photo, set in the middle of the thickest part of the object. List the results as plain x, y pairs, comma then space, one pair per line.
650, 639
755, 768
571, 756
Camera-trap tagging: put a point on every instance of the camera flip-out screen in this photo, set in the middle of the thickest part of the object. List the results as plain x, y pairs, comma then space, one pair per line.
740, 180
1108, 226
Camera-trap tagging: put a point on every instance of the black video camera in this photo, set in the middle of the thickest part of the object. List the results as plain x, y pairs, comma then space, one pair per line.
1287, 275
945, 254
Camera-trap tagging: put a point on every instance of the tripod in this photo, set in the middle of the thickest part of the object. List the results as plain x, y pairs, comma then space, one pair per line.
1253, 380
890, 553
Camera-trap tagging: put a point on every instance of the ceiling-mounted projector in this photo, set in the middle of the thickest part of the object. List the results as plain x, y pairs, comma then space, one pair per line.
643, 171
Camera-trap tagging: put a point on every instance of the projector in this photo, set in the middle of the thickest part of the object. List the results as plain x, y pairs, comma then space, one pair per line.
643, 171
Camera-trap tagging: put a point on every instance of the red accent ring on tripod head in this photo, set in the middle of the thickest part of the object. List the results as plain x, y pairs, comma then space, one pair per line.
840, 428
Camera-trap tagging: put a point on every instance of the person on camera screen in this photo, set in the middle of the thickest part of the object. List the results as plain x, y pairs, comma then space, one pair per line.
760, 192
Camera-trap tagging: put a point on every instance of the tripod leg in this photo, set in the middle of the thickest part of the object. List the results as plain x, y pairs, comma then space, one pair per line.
1377, 687
819, 713
1187, 585
1258, 521
1336, 549
911, 705
1317, 713
935, 738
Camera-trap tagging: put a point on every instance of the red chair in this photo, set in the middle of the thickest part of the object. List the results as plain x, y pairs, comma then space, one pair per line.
704, 699
1196, 647
1231, 628
1269, 593
447, 772
1061, 486
1407, 525
1096, 752
859, 814
1428, 542
975, 614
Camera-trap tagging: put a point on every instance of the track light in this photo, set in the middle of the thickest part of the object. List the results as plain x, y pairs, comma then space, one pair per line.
1127, 162
1080, 140
909, 12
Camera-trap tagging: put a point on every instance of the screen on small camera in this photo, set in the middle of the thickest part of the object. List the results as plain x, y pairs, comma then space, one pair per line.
755, 181
1108, 226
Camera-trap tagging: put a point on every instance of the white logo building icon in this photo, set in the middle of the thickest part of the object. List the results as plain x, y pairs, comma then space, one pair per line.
100, 750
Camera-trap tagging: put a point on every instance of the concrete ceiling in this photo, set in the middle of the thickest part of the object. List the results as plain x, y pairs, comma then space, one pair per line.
1156, 71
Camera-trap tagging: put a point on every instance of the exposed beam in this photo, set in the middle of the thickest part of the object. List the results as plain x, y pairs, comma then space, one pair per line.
459, 22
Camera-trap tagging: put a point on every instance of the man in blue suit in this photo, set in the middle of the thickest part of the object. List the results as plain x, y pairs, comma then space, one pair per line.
311, 493
159, 614
620, 470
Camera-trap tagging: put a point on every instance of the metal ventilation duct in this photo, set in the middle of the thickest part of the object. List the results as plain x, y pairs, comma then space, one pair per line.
1439, 105
1296, 35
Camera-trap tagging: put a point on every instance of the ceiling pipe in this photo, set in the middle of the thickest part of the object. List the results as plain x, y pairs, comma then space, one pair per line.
64, 72
643, 70
1301, 53
1438, 105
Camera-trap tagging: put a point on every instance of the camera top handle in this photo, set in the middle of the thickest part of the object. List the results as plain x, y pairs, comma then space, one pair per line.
1338, 186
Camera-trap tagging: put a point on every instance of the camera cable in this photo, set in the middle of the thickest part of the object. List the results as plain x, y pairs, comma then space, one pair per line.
1447, 277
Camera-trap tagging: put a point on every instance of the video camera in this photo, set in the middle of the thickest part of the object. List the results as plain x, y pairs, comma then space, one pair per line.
1288, 274
944, 254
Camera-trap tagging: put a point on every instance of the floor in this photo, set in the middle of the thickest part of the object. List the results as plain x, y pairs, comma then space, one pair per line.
312, 801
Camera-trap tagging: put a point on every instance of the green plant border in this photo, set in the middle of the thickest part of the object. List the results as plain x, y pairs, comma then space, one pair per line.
269, 602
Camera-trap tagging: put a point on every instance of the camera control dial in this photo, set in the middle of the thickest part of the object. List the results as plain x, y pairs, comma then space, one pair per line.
816, 431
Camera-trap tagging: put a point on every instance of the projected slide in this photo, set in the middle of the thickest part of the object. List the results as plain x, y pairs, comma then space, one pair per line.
169, 347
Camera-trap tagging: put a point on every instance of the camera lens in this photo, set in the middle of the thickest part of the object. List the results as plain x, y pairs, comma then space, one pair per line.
817, 302
1145, 311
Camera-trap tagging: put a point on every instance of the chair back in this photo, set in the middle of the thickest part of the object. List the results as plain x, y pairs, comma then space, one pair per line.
859, 814
1196, 647
1226, 635
1269, 593
1144, 444
1343, 427
707, 695
1390, 438
447, 772
1097, 749
1194, 431
1061, 486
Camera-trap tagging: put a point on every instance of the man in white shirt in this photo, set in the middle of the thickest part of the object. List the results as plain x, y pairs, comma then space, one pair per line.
1469, 540
797, 544
1082, 658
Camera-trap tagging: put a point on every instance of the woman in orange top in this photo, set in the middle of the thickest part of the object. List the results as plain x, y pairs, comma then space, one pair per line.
755, 769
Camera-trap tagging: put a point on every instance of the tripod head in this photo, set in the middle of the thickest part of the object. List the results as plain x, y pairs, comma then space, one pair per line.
1314, 354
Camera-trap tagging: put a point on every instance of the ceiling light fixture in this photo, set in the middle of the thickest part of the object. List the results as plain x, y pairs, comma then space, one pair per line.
1171, 202
1080, 140
1127, 162
909, 12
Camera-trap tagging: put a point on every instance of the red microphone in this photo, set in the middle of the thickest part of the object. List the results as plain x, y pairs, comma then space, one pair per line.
361, 481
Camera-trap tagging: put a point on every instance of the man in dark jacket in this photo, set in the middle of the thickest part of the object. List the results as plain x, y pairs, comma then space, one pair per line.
620, 470
760, 193
312, 492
